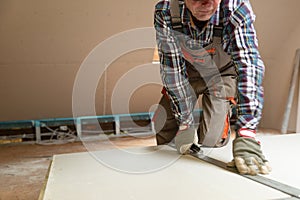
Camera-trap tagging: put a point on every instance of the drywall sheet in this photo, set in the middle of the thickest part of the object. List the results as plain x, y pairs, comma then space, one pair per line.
160, 173
282, 151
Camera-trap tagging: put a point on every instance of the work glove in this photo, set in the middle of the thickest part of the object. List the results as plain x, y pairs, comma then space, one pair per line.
186, 140
248, 157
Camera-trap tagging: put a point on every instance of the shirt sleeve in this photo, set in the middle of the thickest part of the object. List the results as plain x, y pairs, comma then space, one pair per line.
173, 69
250, 68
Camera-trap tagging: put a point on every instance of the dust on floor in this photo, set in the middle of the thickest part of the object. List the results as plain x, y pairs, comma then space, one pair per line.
23, 167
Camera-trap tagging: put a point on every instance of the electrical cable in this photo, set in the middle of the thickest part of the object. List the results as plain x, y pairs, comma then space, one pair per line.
63, 135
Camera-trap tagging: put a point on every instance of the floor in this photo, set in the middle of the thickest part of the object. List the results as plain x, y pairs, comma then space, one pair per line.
23, 167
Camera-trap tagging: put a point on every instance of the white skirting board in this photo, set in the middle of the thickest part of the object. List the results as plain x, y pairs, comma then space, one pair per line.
156, 173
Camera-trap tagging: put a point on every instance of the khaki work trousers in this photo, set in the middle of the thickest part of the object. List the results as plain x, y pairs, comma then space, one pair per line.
218, 92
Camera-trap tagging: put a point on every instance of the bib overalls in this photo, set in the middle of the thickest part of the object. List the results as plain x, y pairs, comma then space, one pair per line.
212, 74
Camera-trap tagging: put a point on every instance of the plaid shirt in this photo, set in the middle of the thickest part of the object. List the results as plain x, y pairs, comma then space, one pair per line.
238, 40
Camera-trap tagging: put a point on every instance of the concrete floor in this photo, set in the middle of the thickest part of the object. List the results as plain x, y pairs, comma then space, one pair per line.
23, 167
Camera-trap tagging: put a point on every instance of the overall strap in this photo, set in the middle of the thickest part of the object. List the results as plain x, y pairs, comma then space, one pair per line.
175, 16
218, 29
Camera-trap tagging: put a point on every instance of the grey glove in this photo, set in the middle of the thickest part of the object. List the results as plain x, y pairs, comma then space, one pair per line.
185, 138
248, 157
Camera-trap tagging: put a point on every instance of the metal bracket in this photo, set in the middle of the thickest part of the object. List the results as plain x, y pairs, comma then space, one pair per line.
295, 77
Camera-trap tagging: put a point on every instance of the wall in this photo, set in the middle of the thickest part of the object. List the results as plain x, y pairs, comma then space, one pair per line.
278, 29
43, 43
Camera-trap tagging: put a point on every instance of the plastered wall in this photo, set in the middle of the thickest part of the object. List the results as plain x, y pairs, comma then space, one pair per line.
278, 30
43, 44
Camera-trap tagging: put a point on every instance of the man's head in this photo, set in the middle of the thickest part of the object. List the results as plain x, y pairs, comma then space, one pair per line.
202, 9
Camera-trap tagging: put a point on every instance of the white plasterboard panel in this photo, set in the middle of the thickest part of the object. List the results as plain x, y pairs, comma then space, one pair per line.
282, 151
82, 176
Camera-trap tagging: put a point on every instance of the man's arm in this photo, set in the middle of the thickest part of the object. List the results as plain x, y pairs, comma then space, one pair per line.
172, 68
247, 153
250, 68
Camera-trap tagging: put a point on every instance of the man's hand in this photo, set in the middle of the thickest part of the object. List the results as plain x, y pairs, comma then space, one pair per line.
248, 157
185, 138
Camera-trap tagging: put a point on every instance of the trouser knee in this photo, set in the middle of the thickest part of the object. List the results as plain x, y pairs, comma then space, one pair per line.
165, 124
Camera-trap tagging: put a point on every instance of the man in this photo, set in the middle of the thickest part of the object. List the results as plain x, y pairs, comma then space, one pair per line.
211, 50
